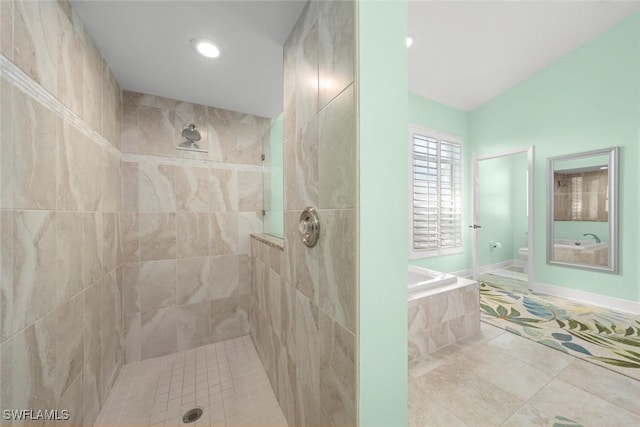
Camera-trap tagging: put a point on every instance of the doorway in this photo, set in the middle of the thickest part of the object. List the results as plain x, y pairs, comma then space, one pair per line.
502, 201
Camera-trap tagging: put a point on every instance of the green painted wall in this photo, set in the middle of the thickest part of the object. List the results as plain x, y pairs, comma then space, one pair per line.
519, 218
274, 179
588, 99
382, 211
430, 114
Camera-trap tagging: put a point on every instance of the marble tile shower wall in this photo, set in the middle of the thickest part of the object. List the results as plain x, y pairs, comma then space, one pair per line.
186, 224
60, 199
303, 316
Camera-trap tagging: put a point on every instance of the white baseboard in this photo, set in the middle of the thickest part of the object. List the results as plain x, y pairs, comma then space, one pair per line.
496, 266
618, 304
519, 263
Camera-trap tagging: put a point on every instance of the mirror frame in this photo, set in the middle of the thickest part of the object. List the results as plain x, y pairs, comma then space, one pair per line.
612, 178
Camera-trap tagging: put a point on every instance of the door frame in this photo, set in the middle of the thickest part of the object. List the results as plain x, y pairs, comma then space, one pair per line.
475, 204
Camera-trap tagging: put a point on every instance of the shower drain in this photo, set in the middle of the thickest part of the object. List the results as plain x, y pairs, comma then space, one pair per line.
192, 415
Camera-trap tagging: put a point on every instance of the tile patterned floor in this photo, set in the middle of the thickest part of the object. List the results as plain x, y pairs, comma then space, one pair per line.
225, 379
497, 378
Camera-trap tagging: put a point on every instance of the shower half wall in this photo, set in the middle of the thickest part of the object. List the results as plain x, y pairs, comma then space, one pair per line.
186, 224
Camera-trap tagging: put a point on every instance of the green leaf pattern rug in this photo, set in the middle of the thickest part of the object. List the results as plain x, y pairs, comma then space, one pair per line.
605, 337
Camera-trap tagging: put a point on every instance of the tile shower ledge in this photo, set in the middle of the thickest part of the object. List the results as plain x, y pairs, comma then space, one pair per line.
273, 241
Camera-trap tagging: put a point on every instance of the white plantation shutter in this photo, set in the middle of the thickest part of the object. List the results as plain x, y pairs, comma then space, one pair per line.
436, 188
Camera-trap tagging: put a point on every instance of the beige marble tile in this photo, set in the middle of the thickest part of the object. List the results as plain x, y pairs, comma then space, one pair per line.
159, 332
286, 383
37, 41
34, 269
193, 325
337, 285
337, 372
92, 322
193, 284
129, 142
92, 389
223, 233
111, 182
229, 276
563, 399
111, 332
69, 344
73, 401
192, 236
229, 318
249, 191
301, 168
130, 188
529, 416
6, 141
307, 337
109, 242
289, 88
157, 284
248, 223
605, 384
156, 188
28, 367
336, 48
92, 243
129, 238
69, 254
156, 101
93, 73
273, 301
130, 289
235, 137
306, 57
157, 236
337, 148
305, 261
71, 53
287, 316
78, 158
192, 189
223, 185
132, 338
156, 132
34, 151
6, 29
111, 108
6, 271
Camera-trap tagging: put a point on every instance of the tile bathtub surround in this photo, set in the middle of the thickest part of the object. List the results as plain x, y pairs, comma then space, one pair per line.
60, 198
186, 224
442, 319
226, 380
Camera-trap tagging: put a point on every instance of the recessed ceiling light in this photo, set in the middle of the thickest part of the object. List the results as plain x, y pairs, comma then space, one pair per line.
409, 41
205, 47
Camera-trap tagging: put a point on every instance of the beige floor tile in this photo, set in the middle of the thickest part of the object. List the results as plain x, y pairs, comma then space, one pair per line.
532, 353
604, 383
469, 397
560, 398
506, 372
531, 417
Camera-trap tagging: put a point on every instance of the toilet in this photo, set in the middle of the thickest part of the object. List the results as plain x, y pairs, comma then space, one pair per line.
524, 253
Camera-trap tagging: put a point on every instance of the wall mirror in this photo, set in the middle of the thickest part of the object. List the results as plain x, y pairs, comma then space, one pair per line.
582, 205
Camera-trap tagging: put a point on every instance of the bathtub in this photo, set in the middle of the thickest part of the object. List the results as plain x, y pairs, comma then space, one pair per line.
443, 309
423, 282
579, 245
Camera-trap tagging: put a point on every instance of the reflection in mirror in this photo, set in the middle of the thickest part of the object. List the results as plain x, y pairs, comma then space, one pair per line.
582, 228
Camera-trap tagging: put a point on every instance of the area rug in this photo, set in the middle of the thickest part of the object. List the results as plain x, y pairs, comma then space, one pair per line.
605, 337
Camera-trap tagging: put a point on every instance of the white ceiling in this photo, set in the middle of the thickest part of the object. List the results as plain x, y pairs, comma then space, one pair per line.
147, 45
466, 53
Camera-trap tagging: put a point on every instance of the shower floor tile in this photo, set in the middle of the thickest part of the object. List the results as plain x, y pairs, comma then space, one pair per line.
226, 380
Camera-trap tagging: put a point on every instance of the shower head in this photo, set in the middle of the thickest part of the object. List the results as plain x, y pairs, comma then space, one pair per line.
191, 136
190, 133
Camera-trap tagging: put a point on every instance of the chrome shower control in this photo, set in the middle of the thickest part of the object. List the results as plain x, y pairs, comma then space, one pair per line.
309, 227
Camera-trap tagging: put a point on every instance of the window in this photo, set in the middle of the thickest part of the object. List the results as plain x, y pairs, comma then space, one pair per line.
436, 193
